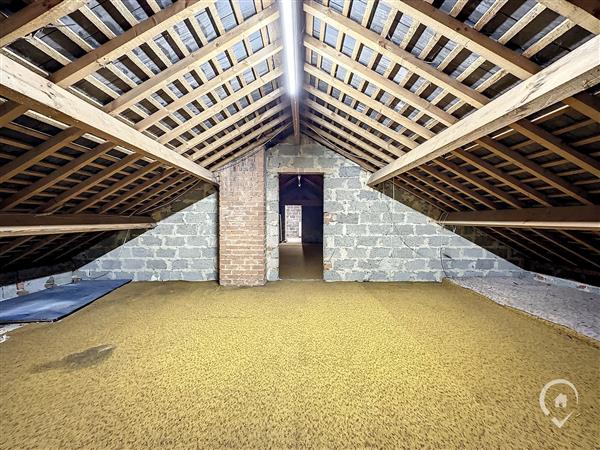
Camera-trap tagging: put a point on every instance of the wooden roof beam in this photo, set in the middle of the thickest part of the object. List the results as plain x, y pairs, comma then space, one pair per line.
35, 16
195, 59
395, 53
248, 141
219, 80
471, 39
59, 174
35, 92
221, 105
130, 39
573, 73
14, 225
241, 129
38, 153
245, 150
466, 36
581, 218
577, 11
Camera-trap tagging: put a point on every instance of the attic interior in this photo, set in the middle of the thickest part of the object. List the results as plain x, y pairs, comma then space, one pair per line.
299, 223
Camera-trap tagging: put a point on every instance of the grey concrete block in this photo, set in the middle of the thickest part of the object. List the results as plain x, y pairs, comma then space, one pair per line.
344, 264
381, 229
356, 230
150, 241
156, 264
485, 264
368, 195
331, 275
180, 264
108, 264
344, 241
403, 252
142, 252
164, 229
369, 218
186, 252
210, 253
380, 252
165, 252
416, 264
186, 229
132, 264
426, 230
201, 264
197, 241
349, 171
473, 253
174, 241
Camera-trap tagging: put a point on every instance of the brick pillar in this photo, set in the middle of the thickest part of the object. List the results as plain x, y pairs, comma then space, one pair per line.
242, 227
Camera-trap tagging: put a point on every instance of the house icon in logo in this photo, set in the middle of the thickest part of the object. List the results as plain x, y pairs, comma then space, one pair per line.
560, 401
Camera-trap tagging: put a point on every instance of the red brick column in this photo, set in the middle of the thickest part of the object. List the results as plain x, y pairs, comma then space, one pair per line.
242, 227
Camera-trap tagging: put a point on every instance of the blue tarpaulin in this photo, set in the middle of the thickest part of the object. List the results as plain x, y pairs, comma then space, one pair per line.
55, 303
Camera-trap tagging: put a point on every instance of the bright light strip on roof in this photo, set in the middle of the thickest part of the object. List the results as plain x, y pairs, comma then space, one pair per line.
287, 9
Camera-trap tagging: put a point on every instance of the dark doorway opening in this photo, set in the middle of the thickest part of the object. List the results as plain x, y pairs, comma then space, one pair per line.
301, 226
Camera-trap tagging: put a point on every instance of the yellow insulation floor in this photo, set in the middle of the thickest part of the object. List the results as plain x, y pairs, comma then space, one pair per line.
294, 365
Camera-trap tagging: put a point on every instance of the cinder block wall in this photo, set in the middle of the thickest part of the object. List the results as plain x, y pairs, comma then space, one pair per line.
242, 222
293, 220
183, 246
367, 235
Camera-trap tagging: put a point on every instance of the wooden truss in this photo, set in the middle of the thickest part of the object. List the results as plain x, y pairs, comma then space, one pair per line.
109, 111
481, 109
472, 108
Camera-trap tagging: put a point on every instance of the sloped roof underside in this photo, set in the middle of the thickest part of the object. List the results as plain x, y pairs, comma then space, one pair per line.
207, 82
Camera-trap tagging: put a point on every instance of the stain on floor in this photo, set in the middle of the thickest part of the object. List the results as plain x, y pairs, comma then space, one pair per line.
87, 358
310, 365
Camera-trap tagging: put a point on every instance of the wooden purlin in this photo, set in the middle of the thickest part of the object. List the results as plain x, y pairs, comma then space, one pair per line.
354, 67
33, 91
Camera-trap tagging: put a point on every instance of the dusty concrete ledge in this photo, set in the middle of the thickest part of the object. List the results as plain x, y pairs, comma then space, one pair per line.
577, 309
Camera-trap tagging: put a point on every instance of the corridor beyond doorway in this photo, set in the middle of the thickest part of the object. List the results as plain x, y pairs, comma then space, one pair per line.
301, 226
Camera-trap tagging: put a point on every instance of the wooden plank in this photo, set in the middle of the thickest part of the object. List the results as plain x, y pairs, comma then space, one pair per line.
200, 153
571, 74
156, 178
249, 139
380, 81
362, 133
25, 87
38, 153
582, 218
576, 13
10, 111
130, 39
14, 225
480, 183
221, 105
250, 148
195, 59
59, 174
55, 203
503, 177
338, 143
365, 119
374, 105
395, 53
35, 16
210, 85
551, 142
535, 169
468, 37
